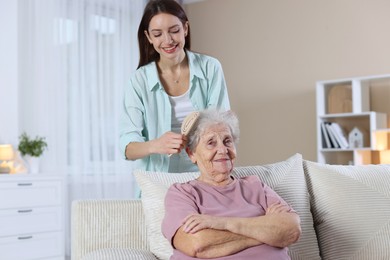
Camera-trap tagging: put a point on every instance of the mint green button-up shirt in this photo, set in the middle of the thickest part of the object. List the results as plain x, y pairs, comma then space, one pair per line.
147, 110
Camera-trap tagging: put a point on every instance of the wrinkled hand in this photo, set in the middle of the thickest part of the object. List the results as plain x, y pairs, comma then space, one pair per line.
196, 222
277, 208
169, 143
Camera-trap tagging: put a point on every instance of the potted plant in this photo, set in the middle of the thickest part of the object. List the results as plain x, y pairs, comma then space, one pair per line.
31, 150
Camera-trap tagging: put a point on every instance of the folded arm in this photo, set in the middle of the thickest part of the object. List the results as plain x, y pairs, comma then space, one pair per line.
211, 243
278, 227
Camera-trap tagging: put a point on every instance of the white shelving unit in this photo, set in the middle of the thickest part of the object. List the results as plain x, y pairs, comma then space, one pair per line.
349, 102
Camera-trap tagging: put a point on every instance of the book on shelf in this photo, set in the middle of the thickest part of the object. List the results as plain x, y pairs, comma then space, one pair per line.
326, 141
332, 137
340, 135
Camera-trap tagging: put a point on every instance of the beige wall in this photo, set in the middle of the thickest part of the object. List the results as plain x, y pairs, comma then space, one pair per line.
273, 52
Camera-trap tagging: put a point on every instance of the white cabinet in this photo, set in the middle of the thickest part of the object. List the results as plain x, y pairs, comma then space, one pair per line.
361, 102
31, 217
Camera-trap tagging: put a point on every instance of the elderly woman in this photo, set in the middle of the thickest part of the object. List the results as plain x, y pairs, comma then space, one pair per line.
218, 215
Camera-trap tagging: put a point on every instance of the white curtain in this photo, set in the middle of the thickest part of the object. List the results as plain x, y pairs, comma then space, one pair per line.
76, 57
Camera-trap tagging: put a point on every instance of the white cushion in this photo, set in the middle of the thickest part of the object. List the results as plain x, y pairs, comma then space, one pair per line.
286, 178
154, 186
351, 210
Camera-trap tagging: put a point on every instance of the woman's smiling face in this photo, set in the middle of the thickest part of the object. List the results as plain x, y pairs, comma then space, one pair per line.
215, 154
167, 34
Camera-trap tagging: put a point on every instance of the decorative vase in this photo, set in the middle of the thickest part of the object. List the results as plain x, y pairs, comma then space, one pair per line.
33, 164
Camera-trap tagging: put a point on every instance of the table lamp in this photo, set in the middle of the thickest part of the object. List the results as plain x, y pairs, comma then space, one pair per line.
6, 155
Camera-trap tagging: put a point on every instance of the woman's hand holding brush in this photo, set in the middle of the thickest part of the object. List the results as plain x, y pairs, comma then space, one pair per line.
169, 143
188, 122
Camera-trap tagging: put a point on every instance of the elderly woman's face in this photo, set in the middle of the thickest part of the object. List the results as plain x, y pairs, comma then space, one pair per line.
215, 153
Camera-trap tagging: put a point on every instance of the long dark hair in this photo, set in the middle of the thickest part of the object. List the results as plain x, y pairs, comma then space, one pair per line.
147, 53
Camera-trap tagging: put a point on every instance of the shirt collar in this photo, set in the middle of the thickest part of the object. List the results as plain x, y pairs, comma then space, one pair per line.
195, 67
152, 73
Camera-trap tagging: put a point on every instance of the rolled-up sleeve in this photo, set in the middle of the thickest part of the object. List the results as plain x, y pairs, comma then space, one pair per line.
132, 118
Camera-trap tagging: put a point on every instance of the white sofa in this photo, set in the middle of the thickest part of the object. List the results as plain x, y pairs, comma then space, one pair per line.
345, 213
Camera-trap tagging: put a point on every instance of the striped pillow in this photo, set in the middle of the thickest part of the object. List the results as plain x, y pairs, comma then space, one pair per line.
285, 177
154, 186
119, 254
351, 210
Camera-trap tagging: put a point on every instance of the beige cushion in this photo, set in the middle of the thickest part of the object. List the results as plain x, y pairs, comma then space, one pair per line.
286, 178
351, 210
119, 254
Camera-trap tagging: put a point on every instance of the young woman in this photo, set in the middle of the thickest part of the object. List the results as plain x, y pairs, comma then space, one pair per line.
170, 82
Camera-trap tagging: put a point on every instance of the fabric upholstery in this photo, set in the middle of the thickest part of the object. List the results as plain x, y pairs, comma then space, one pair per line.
287, 179
154, 186
119, 254
100, 224
351, 210
349, 204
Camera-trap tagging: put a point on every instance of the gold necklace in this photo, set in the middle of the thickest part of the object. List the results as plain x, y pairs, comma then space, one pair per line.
164, 73
178, 79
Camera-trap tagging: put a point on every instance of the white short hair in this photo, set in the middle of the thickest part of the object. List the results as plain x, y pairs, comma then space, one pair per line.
210, 117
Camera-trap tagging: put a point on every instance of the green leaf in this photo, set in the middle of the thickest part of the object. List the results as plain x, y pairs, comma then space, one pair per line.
33, 147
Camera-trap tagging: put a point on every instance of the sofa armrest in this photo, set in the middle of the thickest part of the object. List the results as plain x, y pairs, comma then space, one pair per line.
100, 224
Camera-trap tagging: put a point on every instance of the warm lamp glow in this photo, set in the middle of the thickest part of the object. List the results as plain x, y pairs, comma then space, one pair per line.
6, 154
381, 147
380, 138
385, 157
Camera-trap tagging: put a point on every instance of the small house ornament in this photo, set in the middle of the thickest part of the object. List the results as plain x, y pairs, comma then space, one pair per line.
356, 138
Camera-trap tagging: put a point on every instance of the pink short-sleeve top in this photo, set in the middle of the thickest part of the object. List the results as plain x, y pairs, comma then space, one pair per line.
243, 197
